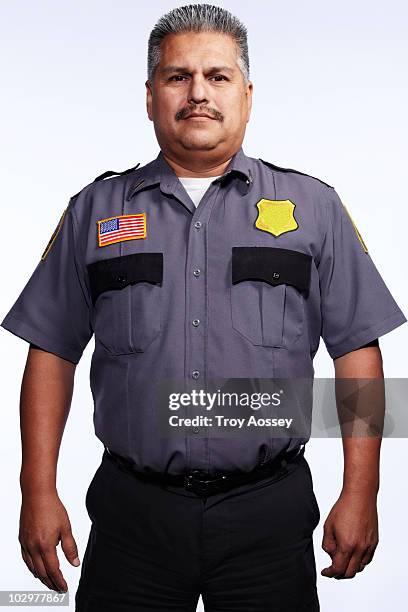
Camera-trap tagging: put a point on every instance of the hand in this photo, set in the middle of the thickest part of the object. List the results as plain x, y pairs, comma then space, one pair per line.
350, 535
43, 523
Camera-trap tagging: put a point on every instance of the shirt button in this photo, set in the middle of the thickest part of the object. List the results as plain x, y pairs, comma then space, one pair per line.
195, 374
121, 278
197, 272
197, 224
195, 430
196, 322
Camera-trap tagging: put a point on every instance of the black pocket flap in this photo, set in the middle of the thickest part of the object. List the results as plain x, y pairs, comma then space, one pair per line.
272, 265
118, 272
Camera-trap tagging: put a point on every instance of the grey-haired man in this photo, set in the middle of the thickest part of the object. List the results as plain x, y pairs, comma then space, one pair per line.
204, 263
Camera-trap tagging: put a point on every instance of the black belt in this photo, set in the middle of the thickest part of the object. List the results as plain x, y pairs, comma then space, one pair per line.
204, 484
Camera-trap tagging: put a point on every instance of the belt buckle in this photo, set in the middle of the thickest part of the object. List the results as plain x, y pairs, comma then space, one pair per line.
202, 486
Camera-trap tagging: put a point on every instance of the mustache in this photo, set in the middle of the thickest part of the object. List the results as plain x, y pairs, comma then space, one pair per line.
214, 114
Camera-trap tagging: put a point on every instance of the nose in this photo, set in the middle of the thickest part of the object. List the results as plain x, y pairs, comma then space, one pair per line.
197, 93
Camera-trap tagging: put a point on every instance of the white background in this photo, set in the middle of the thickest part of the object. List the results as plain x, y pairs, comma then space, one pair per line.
330, 99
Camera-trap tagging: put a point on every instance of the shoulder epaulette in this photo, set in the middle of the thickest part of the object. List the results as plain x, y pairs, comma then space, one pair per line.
292, 170
109, 173
113, 173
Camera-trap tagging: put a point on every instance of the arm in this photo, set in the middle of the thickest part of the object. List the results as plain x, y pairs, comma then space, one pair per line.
361, 454
351, 529
356, 306
45, 401
53, 312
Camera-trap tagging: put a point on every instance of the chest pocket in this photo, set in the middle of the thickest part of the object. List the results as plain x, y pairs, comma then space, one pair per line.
269, 286
127, 297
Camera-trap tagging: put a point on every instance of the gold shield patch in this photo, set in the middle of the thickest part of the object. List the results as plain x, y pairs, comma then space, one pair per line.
276, 216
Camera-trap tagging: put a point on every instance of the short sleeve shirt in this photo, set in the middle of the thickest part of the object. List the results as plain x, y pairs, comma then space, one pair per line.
242, 285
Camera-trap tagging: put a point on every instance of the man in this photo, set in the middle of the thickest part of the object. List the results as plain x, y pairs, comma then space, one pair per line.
204, 263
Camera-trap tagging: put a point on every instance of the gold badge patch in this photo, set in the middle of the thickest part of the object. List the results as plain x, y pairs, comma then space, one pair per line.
53, 236
276, 216
359, 236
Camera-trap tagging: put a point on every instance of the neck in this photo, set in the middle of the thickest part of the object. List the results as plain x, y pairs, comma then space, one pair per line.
196, 169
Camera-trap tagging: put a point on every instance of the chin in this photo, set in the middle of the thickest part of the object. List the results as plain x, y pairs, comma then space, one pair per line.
199, 145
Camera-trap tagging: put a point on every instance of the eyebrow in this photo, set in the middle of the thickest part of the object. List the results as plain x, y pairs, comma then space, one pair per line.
169, 69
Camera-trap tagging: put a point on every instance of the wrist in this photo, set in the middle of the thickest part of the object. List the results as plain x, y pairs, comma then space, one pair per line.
361, 490
34, 485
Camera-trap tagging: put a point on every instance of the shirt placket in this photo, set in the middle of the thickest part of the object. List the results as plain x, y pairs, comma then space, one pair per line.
196, 324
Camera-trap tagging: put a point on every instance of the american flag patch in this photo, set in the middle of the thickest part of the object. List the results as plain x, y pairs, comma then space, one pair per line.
123, 227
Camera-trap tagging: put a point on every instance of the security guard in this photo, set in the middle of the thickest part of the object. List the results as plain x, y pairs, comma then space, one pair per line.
241, 282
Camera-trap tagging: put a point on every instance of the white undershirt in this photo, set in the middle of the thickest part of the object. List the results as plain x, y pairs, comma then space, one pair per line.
196, 187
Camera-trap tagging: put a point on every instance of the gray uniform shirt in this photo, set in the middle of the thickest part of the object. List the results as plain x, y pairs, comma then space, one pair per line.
242, 286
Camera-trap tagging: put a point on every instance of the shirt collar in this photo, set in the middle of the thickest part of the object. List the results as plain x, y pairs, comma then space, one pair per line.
160, 172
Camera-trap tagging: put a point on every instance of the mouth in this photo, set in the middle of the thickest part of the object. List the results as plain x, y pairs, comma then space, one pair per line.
198, 116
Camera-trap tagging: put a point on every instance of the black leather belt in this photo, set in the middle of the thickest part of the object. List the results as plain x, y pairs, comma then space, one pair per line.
203, 484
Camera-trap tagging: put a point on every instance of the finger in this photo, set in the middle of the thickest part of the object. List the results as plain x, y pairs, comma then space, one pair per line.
41, 571
28, 561
368, 555
69, 547
353, 565
339, 564
52, 567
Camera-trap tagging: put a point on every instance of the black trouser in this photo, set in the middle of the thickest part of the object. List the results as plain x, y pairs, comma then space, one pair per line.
155, 548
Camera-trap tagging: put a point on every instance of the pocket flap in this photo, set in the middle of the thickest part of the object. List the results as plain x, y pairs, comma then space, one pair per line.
273, 265
118, 272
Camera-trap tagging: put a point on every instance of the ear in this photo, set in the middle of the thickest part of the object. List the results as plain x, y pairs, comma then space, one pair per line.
149, 100
248, 93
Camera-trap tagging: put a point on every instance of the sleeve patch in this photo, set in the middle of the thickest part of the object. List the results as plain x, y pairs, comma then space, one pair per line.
359, 236
53, 236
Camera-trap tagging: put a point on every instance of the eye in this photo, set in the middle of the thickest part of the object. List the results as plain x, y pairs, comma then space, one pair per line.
178, 78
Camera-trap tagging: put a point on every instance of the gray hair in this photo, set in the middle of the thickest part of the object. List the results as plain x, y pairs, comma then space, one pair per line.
198, 18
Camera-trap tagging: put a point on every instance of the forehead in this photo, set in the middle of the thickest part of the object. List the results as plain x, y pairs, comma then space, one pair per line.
189, 48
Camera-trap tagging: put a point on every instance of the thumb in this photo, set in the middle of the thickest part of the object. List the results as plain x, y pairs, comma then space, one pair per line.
329, 544
69, 547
